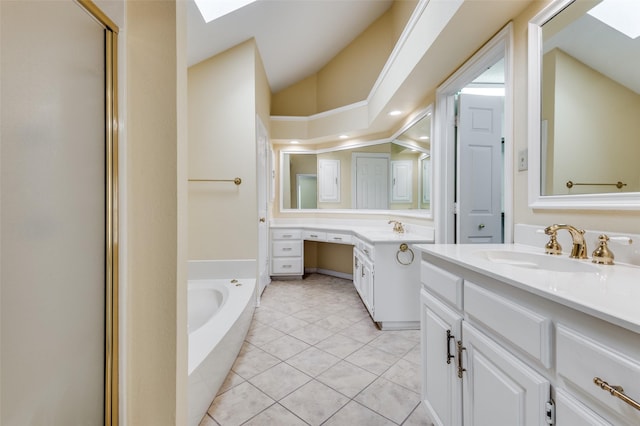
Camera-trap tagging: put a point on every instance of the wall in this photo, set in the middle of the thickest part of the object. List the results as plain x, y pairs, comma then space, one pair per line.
612, 221
350, 75
155, 293
596, 120
222, 111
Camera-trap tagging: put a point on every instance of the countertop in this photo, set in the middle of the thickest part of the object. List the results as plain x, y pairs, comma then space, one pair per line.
611, 293
373, 234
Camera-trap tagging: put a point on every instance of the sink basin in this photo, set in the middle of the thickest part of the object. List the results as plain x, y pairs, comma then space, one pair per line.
537, 261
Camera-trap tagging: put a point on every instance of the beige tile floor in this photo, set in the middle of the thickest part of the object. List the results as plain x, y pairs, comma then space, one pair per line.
314, 357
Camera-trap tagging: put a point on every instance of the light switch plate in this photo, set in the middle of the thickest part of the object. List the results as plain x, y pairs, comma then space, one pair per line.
523, 160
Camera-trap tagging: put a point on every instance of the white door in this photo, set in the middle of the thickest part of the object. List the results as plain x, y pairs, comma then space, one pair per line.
371, 181
499, 389
479, 218
52, 196
402, 181
263, 174
441, 388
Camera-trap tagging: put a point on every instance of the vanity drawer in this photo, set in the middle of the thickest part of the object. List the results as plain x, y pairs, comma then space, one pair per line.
443, 283
366, 248
314, 235
521, 326
283, 248
286, 265
581, 359
286, 234
340, 238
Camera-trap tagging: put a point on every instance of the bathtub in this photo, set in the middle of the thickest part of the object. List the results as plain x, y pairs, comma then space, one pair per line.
219, 315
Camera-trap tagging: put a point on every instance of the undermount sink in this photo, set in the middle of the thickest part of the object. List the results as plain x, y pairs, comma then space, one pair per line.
537, 261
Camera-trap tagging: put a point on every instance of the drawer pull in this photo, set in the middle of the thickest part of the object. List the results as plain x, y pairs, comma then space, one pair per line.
287, 248
449, 338
286, 266
616, 391
287, 236
313, 236
337, 238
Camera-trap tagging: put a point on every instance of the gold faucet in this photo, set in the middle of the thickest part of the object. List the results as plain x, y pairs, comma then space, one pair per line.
579, 249
397, 226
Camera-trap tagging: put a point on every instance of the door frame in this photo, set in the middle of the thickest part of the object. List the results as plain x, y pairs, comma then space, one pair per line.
444, 148
111, 359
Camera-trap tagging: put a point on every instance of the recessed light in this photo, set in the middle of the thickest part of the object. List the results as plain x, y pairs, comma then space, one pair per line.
343, 137
295, 142
395, 112
424, 137
621, 15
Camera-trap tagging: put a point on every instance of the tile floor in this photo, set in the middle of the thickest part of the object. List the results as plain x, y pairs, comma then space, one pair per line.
314, 357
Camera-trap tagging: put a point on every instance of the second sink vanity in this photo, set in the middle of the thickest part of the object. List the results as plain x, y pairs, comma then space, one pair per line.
512, 335
385, 268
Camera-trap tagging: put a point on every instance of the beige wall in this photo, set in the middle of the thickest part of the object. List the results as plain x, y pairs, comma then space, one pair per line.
350, 75
598, 143
155, 327
612, 221
222, 145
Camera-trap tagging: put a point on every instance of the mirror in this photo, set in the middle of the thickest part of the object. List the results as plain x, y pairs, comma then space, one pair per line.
392, 174
584, 98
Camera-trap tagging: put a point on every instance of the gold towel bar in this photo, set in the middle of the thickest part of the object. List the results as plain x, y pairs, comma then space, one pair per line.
618, 184
237, 180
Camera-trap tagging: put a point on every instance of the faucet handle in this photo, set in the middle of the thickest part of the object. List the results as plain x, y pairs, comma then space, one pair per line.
602, 254
553, 246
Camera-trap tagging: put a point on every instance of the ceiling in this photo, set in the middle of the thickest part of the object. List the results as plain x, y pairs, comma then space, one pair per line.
295, 38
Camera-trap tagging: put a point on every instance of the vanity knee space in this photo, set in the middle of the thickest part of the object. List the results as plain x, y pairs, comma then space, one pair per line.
486, 342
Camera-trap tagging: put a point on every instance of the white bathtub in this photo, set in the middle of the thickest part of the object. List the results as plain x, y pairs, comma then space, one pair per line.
219, 315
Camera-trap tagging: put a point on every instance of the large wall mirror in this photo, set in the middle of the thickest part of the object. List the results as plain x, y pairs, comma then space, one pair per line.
385, 175
584, 94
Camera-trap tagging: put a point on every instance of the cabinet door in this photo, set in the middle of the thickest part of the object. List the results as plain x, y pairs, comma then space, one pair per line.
328, 181
402, 181
498, 388
441, 387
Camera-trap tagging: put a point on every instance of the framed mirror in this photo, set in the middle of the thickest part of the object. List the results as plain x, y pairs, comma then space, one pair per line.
391, 175
584, 105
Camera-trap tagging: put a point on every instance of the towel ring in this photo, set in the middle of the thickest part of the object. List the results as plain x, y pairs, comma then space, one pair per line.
403, 249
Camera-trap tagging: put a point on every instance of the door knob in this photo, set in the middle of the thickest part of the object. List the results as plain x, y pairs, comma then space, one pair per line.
481, 226
262, 219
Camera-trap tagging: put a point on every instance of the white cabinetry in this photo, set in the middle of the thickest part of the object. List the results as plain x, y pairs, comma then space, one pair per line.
401, 181
499, 355
389, 288
286, 252
328, 181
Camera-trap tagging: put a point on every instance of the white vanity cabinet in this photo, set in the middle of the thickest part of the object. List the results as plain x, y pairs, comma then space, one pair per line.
494, 353
388, 283
363, 278
468, 378
286, 252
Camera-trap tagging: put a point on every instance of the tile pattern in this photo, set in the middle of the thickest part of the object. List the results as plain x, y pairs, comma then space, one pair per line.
313, 356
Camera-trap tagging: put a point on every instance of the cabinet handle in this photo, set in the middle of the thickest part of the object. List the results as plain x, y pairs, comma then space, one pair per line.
460, 349
449, 338
616, 391
366, 252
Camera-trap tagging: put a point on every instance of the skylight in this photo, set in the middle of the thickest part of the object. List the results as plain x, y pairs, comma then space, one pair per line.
214, 9
621, 15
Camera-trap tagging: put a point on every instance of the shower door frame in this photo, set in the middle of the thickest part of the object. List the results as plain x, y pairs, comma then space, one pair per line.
111, 360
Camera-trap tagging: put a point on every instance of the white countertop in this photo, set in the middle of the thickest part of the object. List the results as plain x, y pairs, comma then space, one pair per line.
612, 293
371, 233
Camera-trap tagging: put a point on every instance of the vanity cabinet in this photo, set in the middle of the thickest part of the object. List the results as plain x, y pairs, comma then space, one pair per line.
363, 278
468, 378
388, 284
500, 355
286, 252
